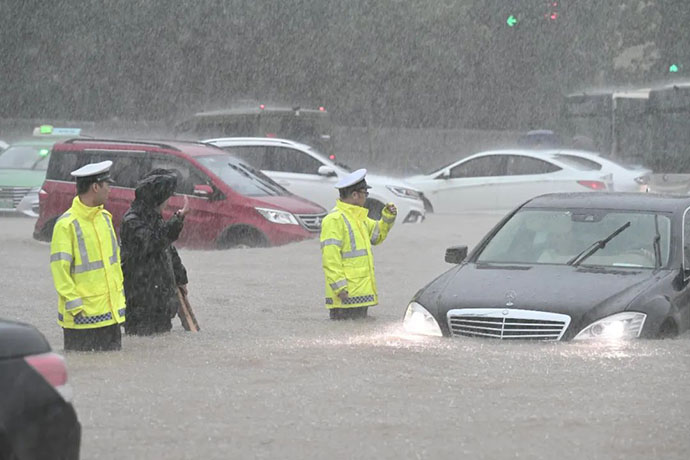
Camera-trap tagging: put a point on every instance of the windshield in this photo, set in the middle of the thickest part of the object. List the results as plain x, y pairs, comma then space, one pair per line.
556, 236
25, 157
241, 177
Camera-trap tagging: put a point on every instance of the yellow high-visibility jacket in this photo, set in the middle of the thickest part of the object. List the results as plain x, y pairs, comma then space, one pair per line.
85, 263
347, 235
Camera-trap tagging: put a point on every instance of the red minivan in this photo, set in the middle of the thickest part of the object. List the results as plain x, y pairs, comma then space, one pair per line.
231, 204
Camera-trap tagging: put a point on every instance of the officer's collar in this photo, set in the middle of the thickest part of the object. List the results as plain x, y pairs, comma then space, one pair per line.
87, 212
353, 209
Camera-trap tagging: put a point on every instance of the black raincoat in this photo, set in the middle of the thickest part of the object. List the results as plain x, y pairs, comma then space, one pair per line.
151, 267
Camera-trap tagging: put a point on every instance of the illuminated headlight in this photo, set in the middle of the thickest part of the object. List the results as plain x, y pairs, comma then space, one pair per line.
626, 325
278, 217
418, 320
404, 192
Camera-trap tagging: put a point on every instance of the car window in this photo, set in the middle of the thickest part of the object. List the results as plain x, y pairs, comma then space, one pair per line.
255, 155
61, 164
493, 165
518, 165
579, 163
556, 236
187, 175
128, 169
291, 160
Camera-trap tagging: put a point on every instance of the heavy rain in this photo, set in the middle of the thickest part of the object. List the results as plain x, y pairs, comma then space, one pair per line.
405, 89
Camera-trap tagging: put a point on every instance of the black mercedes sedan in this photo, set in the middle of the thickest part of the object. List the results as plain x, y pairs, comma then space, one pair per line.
568, 267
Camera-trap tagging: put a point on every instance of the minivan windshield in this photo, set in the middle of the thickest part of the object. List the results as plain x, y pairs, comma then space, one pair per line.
241, 177
558, 236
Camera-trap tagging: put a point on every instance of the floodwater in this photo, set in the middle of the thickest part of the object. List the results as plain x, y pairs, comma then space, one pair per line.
269, 376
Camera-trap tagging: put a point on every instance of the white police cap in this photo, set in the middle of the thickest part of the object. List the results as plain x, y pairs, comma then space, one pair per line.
353, 179
97, 172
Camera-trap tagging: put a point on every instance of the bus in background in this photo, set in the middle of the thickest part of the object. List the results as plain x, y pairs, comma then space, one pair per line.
306, 125
649, 126
669, 127
615, 122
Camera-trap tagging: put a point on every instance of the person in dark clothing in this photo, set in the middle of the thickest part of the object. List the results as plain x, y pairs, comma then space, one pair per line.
152, 269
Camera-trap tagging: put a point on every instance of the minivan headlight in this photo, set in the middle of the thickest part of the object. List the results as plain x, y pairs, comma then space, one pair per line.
626, 325
404, 192
418, 320
278, 217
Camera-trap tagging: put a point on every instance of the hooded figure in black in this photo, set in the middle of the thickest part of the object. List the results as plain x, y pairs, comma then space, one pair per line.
151, 267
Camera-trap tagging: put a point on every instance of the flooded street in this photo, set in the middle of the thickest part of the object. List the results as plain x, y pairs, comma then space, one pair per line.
269, 376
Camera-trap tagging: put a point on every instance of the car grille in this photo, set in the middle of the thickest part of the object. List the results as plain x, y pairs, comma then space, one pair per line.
311, 222
12, 195
506, 323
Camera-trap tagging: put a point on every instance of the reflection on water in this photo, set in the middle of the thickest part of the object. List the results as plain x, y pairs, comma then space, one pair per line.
394, 336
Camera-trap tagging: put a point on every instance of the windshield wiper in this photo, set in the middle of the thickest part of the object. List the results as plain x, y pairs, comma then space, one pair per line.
657, 243
594, 247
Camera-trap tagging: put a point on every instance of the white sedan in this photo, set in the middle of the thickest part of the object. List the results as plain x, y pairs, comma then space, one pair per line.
306, 172
501, 180
625, 178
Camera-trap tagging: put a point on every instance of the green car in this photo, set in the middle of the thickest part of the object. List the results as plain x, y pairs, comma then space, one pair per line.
23, 169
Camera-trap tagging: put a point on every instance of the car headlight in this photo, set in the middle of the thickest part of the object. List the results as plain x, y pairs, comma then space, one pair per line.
404, 192
278, 217
418, 320
626, 325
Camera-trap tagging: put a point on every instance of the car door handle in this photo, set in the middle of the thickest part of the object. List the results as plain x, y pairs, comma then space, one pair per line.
284, 183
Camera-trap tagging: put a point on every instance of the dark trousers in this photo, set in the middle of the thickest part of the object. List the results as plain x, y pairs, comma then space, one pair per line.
107, 338
348, 313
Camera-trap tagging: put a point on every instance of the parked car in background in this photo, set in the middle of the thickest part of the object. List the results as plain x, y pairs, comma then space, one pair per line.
500, 180
23, 168
581, 266
307, 172
37, 419
308, 125
231, 204
626, 178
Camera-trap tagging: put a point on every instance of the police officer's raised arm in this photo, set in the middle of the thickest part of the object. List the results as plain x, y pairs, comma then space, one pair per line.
378, 229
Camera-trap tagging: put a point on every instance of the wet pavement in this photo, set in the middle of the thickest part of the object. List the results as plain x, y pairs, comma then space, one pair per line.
269, 376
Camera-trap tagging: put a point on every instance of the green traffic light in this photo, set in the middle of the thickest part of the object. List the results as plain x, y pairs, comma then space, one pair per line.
511, 21
673, 69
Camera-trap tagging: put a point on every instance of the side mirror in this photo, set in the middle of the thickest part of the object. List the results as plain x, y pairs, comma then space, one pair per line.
326, 171
203, 191
456, 254
445, 174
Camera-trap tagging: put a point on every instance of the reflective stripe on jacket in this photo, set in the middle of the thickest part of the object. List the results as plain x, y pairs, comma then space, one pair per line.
85, 263
347, 235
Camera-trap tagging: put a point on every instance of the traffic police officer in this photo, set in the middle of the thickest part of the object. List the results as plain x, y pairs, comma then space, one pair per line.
85, 263
347, 234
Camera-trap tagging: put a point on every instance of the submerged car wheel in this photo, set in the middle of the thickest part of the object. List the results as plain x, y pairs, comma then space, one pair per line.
668, 329
375, 208
242, 236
